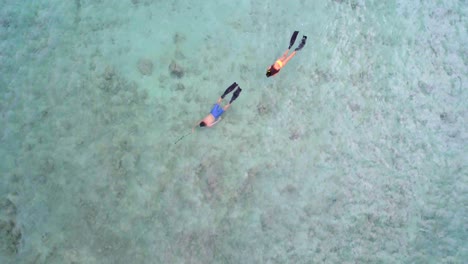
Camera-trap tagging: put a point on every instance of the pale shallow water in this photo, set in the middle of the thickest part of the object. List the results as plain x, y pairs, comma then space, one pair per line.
354, 153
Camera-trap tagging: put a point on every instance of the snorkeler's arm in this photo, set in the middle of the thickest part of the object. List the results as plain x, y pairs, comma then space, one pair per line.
196, 124
215, 122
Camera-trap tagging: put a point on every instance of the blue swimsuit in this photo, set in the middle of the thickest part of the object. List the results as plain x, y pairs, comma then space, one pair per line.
217, 111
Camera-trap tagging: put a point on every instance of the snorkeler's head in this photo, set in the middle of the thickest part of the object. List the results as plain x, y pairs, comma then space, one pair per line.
271, 71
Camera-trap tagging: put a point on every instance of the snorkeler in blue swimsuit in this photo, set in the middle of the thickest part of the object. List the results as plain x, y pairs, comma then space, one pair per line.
217, 110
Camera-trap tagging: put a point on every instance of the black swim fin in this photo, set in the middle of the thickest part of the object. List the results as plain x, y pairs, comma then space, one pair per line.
235, 95
293, 39
302, 44
229, 89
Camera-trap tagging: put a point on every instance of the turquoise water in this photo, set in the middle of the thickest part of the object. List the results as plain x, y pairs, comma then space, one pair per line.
354, 153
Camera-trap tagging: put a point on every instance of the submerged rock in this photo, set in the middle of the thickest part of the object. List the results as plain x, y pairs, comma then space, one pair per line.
145, 66
176, 70
178, 38
180, 87
109, 73
10, 233
425, 87
262, 109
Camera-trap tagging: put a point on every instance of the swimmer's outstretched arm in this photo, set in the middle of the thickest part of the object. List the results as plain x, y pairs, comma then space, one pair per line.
215, 122
196, 124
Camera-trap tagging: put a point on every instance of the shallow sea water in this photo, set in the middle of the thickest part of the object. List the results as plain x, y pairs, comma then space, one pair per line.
354, 153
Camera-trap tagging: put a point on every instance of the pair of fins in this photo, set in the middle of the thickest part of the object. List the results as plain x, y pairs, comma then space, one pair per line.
230, 89
293, 39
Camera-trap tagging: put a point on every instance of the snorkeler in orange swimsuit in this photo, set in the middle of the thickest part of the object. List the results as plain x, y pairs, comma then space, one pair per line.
215, 114
281, 62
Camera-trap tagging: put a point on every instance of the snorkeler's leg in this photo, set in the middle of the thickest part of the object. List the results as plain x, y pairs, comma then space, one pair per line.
285, 61
284, 56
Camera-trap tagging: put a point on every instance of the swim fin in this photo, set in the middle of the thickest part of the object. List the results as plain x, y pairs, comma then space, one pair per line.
235, 95
293, 39
229, 89
302, 44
